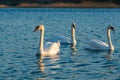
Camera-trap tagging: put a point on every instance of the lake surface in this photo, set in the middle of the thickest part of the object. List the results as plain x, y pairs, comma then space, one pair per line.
18, 44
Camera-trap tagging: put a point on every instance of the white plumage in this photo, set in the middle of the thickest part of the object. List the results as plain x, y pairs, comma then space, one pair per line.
96, 45
63, 39
100, 45
52, 49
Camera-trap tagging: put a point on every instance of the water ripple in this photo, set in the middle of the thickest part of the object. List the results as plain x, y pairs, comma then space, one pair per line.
18, 44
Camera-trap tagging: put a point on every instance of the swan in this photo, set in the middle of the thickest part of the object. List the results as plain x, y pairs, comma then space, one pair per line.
63, 39
53, 49
100, 45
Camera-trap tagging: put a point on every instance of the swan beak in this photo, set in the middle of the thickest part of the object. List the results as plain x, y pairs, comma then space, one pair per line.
113, 31
36, 28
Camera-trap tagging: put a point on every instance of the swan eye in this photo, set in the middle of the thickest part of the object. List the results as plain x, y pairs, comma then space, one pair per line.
73, 25
112, 28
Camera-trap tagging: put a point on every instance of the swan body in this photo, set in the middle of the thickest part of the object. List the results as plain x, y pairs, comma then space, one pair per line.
53, 48
96, 45
63, 39
100, 45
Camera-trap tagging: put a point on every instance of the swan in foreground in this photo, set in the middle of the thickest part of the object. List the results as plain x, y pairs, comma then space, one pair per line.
100, 45
53, 49
63, 39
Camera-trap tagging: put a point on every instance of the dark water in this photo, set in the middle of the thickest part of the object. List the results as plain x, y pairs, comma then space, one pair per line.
18, 44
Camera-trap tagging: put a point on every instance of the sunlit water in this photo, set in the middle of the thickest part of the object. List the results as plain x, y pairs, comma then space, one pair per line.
18, 44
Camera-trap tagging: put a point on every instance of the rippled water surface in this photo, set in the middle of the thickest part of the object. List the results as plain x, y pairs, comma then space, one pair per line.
18, 44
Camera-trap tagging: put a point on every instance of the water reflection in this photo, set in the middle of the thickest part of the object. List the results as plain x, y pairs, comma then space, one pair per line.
52, 60
108, 55
74, 51
46, 64
41, 64
73, 45
41, 79
109, 66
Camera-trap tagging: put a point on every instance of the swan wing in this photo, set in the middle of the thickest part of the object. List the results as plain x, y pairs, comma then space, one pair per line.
96, 45
62, 39
54, 48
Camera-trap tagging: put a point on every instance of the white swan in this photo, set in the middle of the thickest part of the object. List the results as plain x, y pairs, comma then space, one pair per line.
54, 48
100, 45
63, 39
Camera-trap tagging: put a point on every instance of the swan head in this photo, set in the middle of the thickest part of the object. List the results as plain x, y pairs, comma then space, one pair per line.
39, 27
110, 27
73, 25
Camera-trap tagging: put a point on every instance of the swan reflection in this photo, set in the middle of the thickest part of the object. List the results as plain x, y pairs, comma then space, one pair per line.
41, 64
44, 69
52, 59
108, 55
73, 50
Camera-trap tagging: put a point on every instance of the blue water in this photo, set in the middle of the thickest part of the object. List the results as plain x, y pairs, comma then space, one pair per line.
18, 44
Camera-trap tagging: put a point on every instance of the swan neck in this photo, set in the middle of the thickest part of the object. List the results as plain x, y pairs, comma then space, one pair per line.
109, 40
73, 37
41, 41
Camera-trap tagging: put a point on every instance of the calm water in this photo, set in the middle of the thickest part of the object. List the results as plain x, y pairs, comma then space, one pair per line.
18, 44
